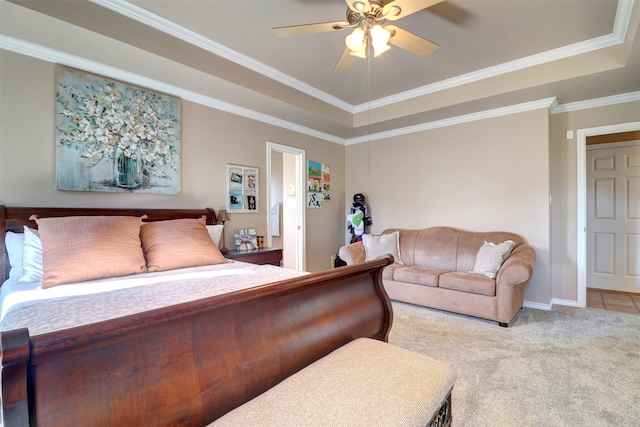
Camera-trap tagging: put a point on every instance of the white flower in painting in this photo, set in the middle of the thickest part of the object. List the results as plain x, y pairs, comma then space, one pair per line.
128, 140
111, 99
93, 108
129, 118
150, 115
115, 119
84, 125
144, 132
163, 148
102, 134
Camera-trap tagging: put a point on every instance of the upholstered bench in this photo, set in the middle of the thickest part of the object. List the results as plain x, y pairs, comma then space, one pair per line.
363, 383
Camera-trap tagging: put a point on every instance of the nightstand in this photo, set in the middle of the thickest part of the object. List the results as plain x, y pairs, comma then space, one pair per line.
271, 256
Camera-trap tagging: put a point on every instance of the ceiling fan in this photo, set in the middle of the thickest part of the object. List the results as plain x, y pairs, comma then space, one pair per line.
371, 34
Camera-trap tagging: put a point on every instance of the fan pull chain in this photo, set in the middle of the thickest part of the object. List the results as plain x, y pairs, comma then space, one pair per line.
369, 111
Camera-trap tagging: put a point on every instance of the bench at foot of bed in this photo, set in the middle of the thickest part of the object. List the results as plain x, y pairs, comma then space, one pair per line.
363, 383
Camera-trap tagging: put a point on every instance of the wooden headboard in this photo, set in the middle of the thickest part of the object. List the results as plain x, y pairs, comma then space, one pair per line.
15, 218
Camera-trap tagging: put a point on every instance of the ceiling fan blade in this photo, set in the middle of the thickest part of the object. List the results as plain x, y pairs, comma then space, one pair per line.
345, 61
299, 30
411, 42
407, 7
359, 5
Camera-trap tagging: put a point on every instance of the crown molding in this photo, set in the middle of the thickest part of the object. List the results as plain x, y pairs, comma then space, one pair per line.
162, 24
466, 118
496, 70
51, 55
54, 56
550, 103
620, 27
595, 103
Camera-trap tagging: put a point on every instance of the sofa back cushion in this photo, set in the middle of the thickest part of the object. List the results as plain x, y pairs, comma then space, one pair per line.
407, 243
434, 247
446, 248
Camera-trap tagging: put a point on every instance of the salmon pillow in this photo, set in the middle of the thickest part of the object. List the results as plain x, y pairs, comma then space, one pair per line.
78, 248
178, 243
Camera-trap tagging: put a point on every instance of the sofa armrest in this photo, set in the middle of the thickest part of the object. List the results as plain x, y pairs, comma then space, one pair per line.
353, 253
518, 268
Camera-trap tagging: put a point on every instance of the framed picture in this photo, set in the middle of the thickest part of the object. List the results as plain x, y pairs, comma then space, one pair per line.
115, 137
318, 184
314, 200
246, 239
242, 188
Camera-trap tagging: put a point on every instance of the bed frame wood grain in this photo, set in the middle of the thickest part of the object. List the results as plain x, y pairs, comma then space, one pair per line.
190, 363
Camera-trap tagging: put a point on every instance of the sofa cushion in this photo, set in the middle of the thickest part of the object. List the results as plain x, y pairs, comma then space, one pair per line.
418, 275
389, 271
407, 243
468, 282
437, 247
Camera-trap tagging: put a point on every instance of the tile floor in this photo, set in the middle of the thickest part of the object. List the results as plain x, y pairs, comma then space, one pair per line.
614, 301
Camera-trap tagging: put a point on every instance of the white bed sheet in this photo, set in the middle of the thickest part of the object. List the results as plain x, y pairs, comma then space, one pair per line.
65, 306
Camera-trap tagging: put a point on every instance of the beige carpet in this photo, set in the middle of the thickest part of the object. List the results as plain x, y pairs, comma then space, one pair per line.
566, 367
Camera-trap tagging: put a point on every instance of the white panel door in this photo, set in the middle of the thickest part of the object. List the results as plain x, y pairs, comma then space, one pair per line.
613, 217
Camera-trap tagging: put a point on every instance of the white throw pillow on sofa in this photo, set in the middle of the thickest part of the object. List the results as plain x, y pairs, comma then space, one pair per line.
491, 256
375, 246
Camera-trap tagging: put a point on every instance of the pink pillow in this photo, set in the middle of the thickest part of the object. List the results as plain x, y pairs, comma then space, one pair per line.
89, 247
178, 243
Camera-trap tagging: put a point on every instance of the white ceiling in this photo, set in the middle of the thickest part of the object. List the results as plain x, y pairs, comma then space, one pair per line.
493, 54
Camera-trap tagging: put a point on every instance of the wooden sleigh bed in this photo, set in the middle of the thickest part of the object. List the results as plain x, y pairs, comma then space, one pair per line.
185, 364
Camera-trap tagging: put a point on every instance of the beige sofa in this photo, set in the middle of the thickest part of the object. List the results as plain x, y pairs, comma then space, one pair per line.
437, 271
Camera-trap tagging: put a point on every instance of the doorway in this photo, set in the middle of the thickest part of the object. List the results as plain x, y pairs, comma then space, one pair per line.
286, 203
613, 216
581, 199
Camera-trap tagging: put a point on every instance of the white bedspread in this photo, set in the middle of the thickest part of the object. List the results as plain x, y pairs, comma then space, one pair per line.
66, 306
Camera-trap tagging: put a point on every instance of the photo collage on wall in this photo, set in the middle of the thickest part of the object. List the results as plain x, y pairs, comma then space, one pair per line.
319, 184
242, 189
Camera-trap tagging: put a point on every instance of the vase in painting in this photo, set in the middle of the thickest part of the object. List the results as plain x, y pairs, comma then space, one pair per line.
127, 169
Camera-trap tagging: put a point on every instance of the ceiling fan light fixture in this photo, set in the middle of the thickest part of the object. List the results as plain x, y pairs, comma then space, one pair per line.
379, 50
360, 53
359, 6
379, 39
355, 40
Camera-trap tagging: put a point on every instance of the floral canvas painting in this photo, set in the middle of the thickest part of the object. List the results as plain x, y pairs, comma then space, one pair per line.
113, 137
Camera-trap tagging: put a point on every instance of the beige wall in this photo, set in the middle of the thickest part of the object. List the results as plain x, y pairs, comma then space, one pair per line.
486, 175
563, 172
210, 139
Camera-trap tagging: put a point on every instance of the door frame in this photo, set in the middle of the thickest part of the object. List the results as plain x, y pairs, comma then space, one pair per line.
581, 199
301, 212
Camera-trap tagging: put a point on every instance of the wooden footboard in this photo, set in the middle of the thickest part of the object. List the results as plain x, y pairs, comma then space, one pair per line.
191, 363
